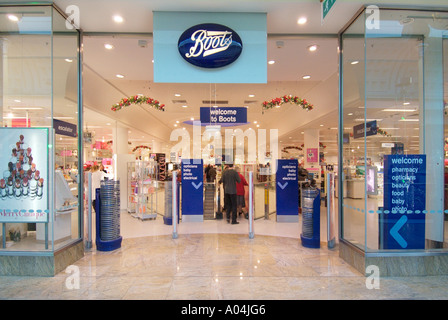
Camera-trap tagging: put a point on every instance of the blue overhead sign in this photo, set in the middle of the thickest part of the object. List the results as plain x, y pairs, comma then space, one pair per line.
214, 46
192, 190
287, 190
368, 129
223, 116
403, 219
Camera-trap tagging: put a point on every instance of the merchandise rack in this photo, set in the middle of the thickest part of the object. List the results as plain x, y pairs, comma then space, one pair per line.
142, 185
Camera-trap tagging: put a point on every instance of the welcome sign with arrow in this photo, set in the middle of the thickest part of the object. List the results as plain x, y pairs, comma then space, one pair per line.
287, 190
192, 189
403, 219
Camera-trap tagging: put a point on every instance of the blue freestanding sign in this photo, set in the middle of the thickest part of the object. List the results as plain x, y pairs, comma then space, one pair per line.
192, 190
287, 190
402, 222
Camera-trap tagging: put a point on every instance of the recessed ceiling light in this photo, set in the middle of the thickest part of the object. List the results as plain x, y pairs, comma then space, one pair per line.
399, 110
184, 106
321, 125
177, 95
312, 48
406, 103
302, 20
13, 17
255, 122
118, 19
192, 119
17, 100
271, 62
175, 125
69, 60
108, 46
306, 77
251, 95
354, 62
120, 76
350, 114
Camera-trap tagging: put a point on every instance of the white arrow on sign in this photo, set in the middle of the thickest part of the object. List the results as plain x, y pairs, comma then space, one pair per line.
282, 186
394, 231
197, 186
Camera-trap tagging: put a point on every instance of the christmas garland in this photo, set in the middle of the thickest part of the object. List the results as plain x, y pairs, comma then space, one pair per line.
321, 145
285, 149
141, 147
383, 133
125, 102
277, 102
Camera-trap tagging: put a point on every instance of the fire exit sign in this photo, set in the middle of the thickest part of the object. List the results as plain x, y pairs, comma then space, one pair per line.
326, 7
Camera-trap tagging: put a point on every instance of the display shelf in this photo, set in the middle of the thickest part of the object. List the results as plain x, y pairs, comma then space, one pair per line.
142, 184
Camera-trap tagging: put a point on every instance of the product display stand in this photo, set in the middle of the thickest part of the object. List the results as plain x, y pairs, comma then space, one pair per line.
143, 186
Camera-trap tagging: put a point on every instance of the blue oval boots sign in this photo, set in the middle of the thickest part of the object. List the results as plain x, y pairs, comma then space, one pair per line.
210, 45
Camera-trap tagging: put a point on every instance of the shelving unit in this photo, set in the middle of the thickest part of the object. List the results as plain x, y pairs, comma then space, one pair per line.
142, 186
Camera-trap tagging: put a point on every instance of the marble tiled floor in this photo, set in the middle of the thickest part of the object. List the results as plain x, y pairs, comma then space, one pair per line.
151, 265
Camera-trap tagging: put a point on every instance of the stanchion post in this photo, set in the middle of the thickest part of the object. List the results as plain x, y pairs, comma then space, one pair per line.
174, 204
89, 211
266, 201
251, 205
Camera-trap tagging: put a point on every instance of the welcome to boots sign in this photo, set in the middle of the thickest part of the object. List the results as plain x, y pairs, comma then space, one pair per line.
24, 175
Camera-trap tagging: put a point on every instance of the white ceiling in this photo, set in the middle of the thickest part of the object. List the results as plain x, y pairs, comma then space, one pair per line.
102, 89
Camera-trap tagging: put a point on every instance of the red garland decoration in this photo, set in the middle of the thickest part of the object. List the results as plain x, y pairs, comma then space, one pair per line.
125, 102
285, 149
141, 147
321, 145
277, 102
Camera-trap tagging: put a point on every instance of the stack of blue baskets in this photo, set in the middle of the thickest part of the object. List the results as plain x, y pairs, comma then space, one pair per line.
108, 224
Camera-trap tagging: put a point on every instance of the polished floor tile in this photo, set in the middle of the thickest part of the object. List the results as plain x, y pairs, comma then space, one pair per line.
201, 265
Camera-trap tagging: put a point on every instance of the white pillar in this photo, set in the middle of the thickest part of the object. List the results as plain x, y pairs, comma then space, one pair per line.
120, 140
121, 159
311, 137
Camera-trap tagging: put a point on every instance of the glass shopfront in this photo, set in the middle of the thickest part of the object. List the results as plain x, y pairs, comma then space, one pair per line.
40, 207
393, 132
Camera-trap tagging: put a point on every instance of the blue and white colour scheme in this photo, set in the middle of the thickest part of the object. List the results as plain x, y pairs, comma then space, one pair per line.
231, 116
210, 45
213, 58
287, 190
402, 224
193, 190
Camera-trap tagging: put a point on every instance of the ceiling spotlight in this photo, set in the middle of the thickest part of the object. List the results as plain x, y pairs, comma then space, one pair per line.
108, 46
354, 62
69, 60
306, 77
177, 95
312, 48
13, 17
120, 76
118, 19
251, 95
302, 20
271, 62
184, 106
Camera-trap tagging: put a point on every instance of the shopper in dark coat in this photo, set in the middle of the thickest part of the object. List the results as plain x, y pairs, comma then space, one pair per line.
229, 179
